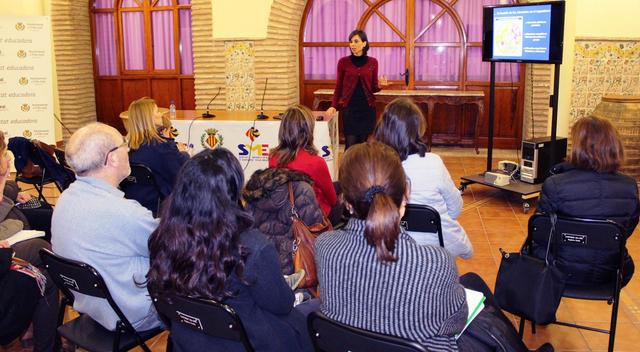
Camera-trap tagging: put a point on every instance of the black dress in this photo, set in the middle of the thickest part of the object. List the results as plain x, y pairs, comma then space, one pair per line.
359, 117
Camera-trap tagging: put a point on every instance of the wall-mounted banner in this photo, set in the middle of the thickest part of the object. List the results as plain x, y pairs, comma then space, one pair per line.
26, 87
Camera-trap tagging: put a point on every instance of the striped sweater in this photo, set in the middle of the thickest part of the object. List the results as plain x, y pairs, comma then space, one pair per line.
417, 297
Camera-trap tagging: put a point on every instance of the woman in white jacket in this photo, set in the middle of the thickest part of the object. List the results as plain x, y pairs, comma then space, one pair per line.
402, 127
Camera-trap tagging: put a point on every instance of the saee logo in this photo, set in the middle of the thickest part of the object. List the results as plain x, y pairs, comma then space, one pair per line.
258, 150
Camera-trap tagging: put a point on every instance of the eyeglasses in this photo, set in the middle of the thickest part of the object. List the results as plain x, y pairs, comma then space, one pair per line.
106, 157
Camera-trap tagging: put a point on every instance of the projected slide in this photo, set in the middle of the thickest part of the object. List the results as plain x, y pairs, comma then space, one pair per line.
522, 33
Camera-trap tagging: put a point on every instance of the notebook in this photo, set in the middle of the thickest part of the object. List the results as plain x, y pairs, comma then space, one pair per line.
24, 235
475, 304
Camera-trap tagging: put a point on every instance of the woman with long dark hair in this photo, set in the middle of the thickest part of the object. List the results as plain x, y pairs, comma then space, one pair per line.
590, 185
297, 152
205, 247
357, 80
401, 127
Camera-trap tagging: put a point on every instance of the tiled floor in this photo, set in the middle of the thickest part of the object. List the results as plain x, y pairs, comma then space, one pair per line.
494, 220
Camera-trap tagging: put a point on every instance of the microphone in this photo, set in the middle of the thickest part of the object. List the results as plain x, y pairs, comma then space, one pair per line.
62, 124
207, 114
261, 115
406, 77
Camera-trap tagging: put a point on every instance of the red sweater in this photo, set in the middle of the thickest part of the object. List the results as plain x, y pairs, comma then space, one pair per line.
348, 76
317, 169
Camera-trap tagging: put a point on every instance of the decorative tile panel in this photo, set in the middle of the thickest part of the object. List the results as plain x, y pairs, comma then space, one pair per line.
603, 66
240, 75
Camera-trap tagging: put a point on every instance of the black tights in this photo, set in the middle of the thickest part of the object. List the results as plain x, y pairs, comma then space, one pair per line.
351, 139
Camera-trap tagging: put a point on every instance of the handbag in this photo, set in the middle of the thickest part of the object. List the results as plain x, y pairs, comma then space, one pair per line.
303, 246
528, 286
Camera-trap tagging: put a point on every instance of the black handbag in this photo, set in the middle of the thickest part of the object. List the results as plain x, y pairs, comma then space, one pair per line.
528, 286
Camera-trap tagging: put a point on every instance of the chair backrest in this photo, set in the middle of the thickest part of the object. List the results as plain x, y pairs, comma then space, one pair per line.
74, 276
579, 238
62, 160
141, 185
422, 218
206, 316
331, 336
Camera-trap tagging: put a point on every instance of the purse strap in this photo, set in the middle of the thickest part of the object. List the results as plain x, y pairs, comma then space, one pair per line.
554, 219
292, 202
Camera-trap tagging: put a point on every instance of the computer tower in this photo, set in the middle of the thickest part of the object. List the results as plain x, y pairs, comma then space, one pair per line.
537, 160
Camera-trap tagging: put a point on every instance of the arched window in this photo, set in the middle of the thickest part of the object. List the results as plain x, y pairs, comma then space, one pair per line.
438, 43
141, 48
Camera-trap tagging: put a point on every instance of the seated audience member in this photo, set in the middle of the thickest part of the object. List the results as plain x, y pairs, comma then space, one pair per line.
152, 149
95, 224
374, 276
12, 220
591, 186
209, 249
402, 127
296, 151
27, 295
267, 198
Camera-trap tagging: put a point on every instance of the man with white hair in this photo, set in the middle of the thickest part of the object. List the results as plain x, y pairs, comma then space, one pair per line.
94, 223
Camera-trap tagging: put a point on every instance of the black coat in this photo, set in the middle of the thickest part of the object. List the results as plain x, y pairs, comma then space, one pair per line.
267, 197
19, 295
588, 194
264, 304
165, 161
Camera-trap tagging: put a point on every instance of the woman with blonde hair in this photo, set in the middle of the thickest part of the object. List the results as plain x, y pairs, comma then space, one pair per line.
296, 151
590, 185
150, 148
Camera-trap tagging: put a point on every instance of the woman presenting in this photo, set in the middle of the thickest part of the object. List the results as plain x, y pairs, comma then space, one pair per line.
357, 81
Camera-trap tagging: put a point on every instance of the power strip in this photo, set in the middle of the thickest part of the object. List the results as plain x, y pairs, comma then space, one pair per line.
496, 178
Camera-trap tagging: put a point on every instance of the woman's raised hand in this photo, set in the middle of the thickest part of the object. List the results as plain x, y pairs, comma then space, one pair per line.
331, 111
382, 81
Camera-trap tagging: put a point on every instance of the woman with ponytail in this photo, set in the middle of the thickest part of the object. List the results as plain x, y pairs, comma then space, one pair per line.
373, 275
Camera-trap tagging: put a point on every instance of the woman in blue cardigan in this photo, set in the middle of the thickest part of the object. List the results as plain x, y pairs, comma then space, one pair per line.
149, 147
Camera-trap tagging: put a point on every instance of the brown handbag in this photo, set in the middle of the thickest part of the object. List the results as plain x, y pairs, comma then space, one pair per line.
304, 239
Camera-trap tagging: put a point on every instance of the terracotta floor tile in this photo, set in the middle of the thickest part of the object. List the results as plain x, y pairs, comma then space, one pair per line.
627, 337
562, 338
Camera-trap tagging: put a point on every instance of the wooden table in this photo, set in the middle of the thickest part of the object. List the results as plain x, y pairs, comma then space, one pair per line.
429, 97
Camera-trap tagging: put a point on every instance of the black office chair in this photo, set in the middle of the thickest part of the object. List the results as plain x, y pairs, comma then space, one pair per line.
73, 276
422, 218
331, 336
602, 236
141, 185
206, 316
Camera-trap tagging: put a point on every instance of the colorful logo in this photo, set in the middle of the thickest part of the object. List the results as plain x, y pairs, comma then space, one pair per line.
27, 134
255, 150
22, 54
211, 139
25, 107
173, 132
23, 81
20, 26
252, 133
